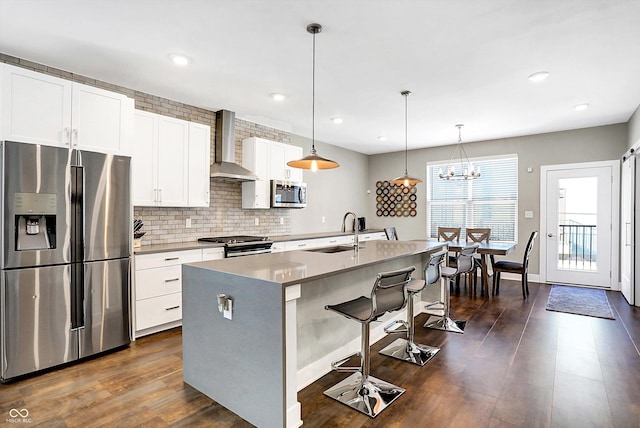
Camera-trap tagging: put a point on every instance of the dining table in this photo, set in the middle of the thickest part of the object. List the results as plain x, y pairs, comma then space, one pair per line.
485, 250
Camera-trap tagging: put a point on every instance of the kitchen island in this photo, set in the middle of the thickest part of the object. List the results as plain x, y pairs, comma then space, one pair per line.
280, 338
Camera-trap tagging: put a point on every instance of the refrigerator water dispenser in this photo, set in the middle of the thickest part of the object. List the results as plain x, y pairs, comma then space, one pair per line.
35, 221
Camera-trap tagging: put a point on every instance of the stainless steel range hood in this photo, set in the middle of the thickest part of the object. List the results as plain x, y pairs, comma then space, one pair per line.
224, 166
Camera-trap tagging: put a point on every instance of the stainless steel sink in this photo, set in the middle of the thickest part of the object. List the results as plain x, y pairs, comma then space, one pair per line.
329, 250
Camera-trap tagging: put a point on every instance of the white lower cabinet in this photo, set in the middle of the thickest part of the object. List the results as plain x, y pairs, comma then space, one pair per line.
212, 253
306, 244
158, 289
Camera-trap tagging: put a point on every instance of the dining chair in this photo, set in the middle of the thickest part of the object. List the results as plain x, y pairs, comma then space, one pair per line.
392, 234
515, 267
449, 234
480, 235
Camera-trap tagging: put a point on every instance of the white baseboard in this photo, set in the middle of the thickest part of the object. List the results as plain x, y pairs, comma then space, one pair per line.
293, 416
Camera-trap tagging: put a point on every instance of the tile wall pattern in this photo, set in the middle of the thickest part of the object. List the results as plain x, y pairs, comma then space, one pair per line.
224, 216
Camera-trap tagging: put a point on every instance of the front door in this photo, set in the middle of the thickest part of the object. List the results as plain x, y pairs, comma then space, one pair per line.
578, 241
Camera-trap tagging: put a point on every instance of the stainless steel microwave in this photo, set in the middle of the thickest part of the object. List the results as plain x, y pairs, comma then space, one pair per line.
286, 194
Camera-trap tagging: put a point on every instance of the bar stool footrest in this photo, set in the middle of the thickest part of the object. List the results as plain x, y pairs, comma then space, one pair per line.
446, 324
367, 395
411, 352
337, 365
391, 327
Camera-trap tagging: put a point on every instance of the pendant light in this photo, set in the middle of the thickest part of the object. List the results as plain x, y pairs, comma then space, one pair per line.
313, 161
467, 170
405, 180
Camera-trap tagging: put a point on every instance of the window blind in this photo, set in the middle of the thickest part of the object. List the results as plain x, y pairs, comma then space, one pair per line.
489, 201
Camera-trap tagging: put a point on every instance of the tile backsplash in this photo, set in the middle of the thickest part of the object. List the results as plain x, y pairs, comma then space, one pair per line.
224, 216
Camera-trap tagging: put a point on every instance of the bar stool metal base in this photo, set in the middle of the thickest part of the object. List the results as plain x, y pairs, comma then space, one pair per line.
369, 396
411, 352
446, 324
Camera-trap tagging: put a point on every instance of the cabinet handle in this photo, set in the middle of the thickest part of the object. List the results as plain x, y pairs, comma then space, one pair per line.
172, 280
333, 242
155, 195
67, 139
75, 132
302, 245
160, 193
171, 258
172, 308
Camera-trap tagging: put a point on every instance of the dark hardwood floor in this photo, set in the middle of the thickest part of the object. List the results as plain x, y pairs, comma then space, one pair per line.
517, 365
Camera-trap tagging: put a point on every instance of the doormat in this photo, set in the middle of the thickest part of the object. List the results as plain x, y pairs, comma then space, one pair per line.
580, 301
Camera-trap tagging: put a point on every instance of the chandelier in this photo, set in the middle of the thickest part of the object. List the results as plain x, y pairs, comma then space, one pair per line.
462, 170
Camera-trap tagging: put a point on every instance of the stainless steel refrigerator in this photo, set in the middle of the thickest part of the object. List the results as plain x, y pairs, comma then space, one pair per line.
66, 256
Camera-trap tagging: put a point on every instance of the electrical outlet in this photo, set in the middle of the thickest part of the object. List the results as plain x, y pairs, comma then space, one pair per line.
256, 221
228, 312
323, 219
188, 225
281, 220
528, 214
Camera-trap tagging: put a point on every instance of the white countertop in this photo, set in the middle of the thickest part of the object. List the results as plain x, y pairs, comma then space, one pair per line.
299, 266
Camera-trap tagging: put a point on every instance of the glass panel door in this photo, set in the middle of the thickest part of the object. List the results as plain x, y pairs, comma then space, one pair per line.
579, 226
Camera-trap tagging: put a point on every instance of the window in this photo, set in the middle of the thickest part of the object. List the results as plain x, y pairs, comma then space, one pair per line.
489, 201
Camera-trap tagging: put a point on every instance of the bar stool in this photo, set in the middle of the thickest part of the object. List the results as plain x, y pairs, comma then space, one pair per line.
361, 391
464, 264
407, 349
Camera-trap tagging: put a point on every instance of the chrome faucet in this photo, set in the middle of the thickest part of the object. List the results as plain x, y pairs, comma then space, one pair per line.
355, 228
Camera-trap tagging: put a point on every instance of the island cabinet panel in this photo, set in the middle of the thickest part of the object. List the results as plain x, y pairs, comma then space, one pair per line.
246, 375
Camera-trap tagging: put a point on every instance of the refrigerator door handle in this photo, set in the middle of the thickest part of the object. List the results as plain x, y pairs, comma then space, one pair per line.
77, 247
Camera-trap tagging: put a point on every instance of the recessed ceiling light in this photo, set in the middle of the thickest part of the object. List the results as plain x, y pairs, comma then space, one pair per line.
382, 138
539, 76
278, 97
180, 60
581, 107
336, 120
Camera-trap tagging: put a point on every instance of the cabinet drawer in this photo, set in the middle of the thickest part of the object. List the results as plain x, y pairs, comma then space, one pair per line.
158, 281
158, 311
146, 261
212, 253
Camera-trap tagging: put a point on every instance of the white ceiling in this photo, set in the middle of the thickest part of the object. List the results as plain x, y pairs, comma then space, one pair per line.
465, 61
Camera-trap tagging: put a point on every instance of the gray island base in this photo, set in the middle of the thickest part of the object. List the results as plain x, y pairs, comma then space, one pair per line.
279, 338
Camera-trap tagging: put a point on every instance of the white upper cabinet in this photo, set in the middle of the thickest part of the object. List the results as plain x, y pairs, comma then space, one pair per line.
281, 154
255, 157
144, 160
268, 160
171, 160
293, 153
42, 109
199, 164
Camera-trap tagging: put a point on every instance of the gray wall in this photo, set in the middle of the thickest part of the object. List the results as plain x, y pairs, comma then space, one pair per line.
332, 192
581, 145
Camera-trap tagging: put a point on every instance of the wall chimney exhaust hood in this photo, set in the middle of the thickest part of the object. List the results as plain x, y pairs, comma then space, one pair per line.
224, 167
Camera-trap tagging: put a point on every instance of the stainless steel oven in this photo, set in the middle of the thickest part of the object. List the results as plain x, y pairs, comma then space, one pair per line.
286, 194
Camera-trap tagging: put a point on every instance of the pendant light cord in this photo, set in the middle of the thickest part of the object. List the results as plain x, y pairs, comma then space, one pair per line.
406, 132
313, 97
